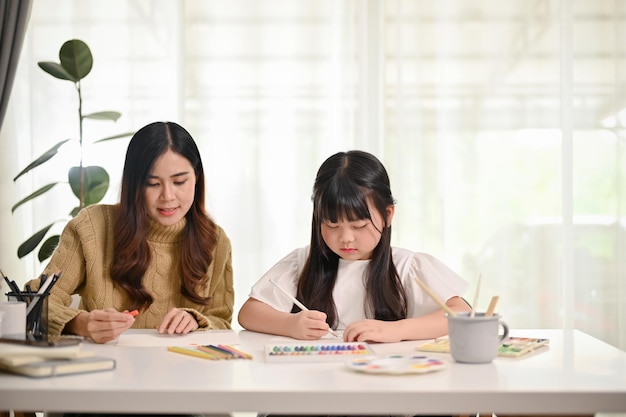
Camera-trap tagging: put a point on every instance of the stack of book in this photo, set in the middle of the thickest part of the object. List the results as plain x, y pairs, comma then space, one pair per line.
45, 359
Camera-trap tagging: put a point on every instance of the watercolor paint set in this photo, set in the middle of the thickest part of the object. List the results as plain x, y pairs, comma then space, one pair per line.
316, 352
518, 346
510, 347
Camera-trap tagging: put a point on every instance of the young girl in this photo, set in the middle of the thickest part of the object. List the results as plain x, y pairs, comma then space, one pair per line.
158, 251
350, 277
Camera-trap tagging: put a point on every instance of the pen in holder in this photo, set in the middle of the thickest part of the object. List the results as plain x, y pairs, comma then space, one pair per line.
36, 313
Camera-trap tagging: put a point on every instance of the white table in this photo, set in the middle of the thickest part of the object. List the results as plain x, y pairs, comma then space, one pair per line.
576, 374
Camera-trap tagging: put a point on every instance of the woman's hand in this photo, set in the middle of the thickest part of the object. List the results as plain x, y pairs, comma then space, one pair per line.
178, 321
372, 331
101, 326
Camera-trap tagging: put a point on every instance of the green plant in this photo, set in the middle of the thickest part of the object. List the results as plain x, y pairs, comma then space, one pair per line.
88, 183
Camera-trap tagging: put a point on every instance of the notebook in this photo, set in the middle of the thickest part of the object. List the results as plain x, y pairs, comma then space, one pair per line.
42, 367
17, 348
49, 358
509, 347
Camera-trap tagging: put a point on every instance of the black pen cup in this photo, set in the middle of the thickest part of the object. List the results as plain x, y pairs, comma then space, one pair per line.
36, 313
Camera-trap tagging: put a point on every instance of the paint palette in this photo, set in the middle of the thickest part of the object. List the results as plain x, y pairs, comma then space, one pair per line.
396, 364
316, 352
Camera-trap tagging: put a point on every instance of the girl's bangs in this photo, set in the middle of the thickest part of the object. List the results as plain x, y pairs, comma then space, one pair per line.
348, 204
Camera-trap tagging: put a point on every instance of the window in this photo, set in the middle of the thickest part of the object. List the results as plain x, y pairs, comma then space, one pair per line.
490, 116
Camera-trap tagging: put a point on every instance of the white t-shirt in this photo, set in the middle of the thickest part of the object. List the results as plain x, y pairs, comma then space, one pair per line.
349, 291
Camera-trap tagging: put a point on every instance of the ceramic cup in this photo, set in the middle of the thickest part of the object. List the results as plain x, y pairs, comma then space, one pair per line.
36, 314
475, 339
14, 318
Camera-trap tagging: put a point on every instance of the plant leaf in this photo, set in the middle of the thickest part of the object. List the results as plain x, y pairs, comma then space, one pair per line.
104, 115
121, 135
31, 243
43, 158
56, 70
96, 193
76, 58
47, 249
35, 194
96, 183
74, 211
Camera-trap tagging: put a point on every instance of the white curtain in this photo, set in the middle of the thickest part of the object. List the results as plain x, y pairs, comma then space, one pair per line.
499, 123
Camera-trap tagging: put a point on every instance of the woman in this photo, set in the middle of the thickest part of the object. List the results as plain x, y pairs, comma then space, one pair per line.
156, 251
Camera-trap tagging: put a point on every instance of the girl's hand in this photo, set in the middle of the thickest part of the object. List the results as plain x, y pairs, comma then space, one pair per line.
101, 326
308, 325
178, 321
372, 331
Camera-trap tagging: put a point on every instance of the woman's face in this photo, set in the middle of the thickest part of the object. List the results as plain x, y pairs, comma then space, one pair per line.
356, 240
170, 189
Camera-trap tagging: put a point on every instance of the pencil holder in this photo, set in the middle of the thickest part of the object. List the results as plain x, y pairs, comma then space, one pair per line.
36, 314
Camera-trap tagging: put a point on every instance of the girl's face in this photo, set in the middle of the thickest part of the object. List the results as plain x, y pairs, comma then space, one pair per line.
356, 240
170, 189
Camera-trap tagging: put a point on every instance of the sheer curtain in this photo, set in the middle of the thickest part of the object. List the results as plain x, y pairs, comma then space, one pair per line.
499, 123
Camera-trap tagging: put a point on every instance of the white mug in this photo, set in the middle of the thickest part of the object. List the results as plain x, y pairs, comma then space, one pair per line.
475, 339
14, 318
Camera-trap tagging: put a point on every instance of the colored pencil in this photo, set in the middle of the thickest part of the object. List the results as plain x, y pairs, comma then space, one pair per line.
192, 352
214, 350
240, 354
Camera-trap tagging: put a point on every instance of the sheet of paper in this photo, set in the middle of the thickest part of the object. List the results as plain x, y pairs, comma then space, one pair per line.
202, 337
327, 336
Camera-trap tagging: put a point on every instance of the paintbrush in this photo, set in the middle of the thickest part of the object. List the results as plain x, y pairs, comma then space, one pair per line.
492, 305
298, 303
475, 303
435, 298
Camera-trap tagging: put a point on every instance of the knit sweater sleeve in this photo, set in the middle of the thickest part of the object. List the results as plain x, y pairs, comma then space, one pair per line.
78, 242
218, 314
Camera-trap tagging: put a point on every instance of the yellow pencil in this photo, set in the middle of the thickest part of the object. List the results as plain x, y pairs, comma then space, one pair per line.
192, 352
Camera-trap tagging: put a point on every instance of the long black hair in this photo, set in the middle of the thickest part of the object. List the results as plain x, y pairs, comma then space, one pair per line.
345, 183
131, 251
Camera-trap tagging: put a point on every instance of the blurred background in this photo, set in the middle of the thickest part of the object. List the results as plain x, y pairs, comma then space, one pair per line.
501, 123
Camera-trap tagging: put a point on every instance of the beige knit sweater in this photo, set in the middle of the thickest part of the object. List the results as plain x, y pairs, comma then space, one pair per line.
84, 255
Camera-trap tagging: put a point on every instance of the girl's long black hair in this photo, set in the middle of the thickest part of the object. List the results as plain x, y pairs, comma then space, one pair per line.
345, 183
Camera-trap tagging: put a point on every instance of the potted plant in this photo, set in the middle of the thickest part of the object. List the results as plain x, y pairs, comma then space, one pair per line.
88, 183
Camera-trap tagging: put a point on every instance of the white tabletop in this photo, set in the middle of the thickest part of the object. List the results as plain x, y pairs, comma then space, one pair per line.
576, 374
